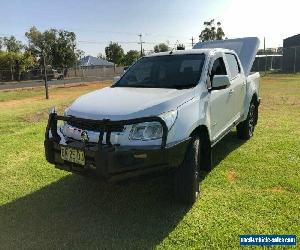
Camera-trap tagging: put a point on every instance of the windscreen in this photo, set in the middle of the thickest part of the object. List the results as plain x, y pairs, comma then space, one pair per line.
170, 71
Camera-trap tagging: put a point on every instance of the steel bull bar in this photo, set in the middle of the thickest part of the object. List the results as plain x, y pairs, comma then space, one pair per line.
112, 161
105, 126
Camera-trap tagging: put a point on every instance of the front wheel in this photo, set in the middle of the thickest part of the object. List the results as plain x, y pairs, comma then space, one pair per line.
187, 175
245, 129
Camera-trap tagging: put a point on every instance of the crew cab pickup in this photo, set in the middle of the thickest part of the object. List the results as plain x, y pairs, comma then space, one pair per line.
165, 112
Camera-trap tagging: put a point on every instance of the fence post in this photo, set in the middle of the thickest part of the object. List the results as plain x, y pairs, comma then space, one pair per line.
295, 59
45, 77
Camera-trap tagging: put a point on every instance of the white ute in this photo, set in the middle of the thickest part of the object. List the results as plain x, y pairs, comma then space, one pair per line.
165, 112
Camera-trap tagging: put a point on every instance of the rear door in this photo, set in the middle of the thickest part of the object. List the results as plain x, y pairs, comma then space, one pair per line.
238, 85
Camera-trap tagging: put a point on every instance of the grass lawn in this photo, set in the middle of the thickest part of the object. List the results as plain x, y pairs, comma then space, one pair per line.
254, 187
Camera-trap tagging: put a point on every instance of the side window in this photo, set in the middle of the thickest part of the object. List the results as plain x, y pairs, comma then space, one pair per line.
234, 68
218, 68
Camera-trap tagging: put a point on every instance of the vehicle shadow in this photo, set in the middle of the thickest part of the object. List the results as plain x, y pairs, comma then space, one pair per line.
78, 212
220, 151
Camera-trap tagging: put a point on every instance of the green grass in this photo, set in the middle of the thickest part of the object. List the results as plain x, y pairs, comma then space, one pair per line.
19, 94
254, 187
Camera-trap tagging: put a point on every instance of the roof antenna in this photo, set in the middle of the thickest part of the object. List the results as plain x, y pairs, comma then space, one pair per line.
171, 52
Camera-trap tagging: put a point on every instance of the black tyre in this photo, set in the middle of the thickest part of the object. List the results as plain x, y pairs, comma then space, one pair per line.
187, 175
246, 128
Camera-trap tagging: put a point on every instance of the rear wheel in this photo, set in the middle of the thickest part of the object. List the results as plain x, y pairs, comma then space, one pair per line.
187, 175
246, 128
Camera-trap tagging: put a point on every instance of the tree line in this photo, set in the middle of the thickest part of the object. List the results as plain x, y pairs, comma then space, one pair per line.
57, 49
115, 53
53, 48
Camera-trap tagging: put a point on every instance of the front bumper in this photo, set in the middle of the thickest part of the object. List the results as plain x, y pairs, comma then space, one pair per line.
113, 162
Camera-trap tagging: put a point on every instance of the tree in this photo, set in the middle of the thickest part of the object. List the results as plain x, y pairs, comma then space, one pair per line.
130, 57
40, 44
12, 54
57, 46
1, 42
64, 50
79, 53
12, 44
162, 47
211, 32
14, 58
25, 61
114, 53
220, 33
8, 61
101, 56
180, 47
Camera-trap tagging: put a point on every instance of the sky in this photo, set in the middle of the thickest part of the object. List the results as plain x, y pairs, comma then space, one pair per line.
96, 23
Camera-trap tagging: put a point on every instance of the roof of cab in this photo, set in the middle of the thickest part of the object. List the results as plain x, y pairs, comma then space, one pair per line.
189, 51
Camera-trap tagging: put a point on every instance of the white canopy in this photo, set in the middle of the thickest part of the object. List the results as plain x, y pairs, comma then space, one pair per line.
246, 48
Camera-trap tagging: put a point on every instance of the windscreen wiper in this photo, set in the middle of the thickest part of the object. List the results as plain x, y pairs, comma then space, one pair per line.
138, 86
180, 86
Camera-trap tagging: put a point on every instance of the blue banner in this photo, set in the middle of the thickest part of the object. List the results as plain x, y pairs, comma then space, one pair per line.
267, 240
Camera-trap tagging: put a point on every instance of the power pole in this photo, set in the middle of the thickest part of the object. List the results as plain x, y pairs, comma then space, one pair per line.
45, 76
141, 43
265, 56
192, 42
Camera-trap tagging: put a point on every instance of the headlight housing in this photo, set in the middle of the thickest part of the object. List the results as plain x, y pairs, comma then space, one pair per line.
146, 131
152, 130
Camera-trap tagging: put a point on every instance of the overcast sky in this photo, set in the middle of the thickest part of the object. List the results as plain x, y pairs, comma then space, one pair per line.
98, 22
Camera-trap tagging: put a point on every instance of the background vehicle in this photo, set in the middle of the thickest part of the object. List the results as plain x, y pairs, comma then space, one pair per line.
56, 75
166, 111
51, 74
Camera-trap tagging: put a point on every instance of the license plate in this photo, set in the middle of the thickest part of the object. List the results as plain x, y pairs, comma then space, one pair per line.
72, 155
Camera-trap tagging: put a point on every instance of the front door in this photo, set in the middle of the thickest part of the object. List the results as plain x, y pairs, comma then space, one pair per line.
221, 102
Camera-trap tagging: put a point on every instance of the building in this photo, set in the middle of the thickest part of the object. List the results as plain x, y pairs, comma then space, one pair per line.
91, 62
291, 54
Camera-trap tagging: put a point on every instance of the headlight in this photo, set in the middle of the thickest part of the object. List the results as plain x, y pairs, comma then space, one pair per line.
152, 130
169, 118
146, 131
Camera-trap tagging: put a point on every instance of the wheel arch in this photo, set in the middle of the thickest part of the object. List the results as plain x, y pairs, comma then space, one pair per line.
255, 98
256, 101
205, 148
202, 131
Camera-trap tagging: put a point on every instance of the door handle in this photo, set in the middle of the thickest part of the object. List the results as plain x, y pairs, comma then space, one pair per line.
231, 92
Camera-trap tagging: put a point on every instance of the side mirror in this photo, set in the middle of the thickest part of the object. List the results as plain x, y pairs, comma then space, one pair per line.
220, 82
115, 79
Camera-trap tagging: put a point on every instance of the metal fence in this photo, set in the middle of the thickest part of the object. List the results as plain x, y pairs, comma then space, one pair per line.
286, 62
35, 77
267, 62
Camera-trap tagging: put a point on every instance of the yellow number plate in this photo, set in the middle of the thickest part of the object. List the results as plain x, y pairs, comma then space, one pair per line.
72, 155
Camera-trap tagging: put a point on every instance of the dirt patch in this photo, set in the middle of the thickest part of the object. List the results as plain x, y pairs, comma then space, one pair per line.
232, 176
277, 189
35, 118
